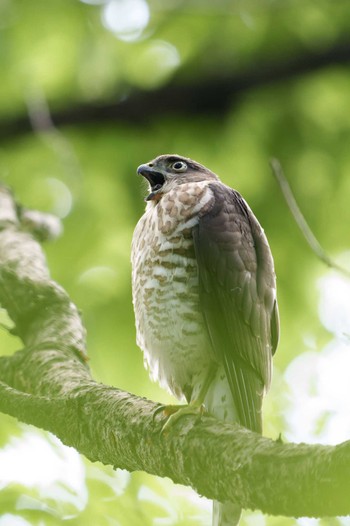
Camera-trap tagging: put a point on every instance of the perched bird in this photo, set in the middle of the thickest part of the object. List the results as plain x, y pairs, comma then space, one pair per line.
204, 295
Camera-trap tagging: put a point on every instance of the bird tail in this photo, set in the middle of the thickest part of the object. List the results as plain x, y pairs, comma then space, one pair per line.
225, 513
219, 403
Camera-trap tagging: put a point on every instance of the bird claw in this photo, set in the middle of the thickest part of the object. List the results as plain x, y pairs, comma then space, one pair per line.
173, 413
167, 410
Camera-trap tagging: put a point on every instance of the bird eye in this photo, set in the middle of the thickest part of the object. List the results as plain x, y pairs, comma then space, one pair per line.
179, 166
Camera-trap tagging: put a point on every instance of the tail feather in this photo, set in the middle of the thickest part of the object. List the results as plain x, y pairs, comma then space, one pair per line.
225, 513
219, 402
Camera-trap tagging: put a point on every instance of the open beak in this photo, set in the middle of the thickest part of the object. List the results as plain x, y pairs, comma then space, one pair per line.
155, 179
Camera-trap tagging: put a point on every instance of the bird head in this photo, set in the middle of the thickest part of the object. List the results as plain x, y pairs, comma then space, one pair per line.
166, 171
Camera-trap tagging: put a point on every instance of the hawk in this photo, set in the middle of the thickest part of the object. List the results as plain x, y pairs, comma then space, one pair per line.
204, 295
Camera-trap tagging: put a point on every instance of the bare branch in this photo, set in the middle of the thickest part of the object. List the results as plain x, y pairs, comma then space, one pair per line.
49, 384
300, 219
213, 92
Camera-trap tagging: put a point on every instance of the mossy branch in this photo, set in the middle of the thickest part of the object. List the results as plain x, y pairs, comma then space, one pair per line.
48, 384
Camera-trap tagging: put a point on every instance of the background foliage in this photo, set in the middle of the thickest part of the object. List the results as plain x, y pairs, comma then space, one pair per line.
242, 81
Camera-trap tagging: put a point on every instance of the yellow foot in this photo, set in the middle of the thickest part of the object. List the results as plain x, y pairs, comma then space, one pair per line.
174, 412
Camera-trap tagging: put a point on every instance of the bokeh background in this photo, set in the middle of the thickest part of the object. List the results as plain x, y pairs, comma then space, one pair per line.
91, 89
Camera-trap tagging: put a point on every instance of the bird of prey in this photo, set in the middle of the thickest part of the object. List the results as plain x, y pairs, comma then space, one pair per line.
204, 295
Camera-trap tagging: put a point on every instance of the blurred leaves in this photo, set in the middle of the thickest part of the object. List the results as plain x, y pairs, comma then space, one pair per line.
62, 54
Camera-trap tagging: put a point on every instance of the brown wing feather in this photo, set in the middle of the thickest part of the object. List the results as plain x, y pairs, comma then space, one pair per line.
238, 298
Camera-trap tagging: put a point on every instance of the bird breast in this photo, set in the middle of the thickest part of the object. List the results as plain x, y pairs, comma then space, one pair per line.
169, 323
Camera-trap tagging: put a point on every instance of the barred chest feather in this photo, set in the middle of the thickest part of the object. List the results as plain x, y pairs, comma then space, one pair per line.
169, 323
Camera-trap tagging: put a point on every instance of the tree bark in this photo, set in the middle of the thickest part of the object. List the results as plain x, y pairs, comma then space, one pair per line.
48, 384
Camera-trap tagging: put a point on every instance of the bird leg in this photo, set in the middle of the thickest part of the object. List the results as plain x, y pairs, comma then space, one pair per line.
195, 407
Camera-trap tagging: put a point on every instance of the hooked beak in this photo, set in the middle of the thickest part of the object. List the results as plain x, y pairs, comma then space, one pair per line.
155, 179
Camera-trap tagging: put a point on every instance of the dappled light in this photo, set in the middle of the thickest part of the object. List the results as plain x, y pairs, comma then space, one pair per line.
154, 64
91, 89
126, 18
318, 380
334, 308
9, 519
55, 471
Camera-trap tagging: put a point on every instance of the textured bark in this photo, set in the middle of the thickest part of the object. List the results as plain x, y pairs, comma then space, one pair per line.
48, 384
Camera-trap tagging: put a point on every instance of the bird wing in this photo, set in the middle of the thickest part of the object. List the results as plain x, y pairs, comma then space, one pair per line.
238, 297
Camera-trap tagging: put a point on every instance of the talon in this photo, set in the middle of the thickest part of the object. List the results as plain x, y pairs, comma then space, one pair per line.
175, 412
158, 410
168, 410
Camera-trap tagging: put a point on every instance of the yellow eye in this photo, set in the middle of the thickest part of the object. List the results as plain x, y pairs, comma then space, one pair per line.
179, 166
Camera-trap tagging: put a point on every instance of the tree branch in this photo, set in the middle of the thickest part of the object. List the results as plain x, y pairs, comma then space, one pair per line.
300, 219
48, 384
211, 93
